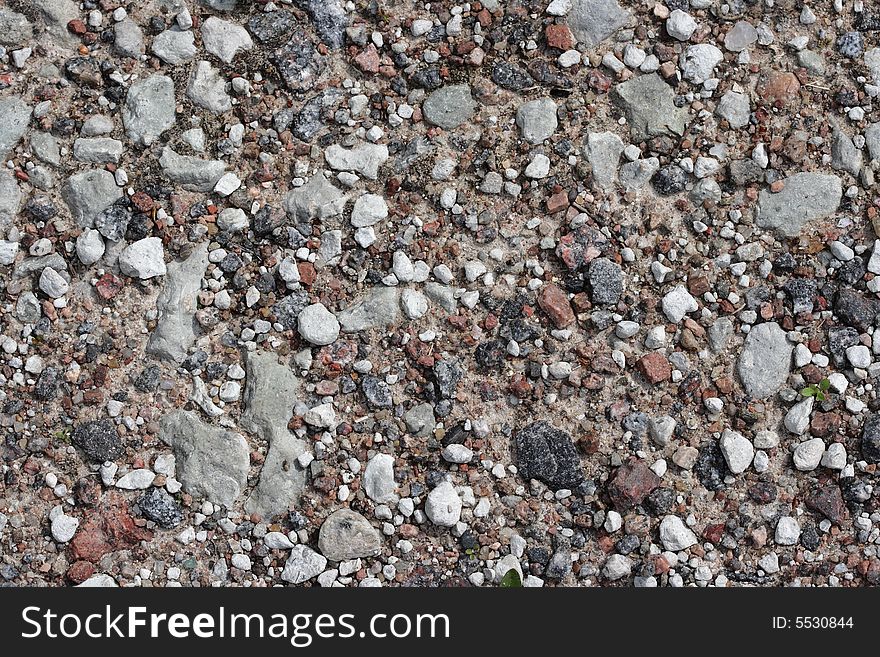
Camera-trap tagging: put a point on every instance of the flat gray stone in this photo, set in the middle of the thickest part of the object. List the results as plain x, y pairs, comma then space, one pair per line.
212, 463
844, 154
317, 199
377, 308
16, 116
175, 329
735, 108
449, 106
346, 535
765, 361
225, 39
207, 88
15, 28
649, 105
88, 194
192, 173
537, 120
270, 393
45, 148
364, 159
806, 197
129, 41
593, 21
97, 150
149, 109
603, 151
10, 197
303, 564
174, 46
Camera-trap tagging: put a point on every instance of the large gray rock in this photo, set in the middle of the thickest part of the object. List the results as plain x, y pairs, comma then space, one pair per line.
346, 535
377, 308
537, 120
15, 29
16, 116
805, 197
192, 173
765, 361
175, 329
593, 21
603, 151
174, 46
271, 391
88, 194
10, 198
449, 106
149, 109
364, 159
207, 88
649, 105
212, 463
317, 199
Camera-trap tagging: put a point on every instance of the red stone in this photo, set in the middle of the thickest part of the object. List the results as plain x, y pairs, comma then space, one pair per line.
107, 529
557, 202
307, 273
632, 482
368, 60
828, 501
108, 286
554, 302
779, 88
713, 533
80, 571
559, 36
77, 27
654, 367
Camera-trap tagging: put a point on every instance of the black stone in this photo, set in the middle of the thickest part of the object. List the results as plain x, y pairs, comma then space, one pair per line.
148, 379
112, 223
511, 77
376, 391
157, 505
99, 440
711, 467
606, 282
548, 454
669, 180
856, 310
288, 309
871, 439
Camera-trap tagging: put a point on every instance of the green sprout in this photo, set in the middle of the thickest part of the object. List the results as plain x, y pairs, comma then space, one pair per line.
511, 580
817, 391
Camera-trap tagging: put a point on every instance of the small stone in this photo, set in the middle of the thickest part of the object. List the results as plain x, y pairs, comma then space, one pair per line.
678, 303
443, 505
143, 259
53, 284
680, 25
808, 454
765, 361
737, 450
317, 325
788, 531
64, 527
302, 565
675, 535
378, 479
554, 302
537, 120
346, 535
797, 420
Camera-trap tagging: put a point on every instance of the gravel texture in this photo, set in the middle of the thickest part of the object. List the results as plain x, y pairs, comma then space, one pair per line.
406, 294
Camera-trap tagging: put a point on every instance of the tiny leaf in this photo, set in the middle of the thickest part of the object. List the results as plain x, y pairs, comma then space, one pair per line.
511, 580
824, 384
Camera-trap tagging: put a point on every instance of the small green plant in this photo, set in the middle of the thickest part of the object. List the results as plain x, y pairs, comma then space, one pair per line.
817, 391
511, 580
